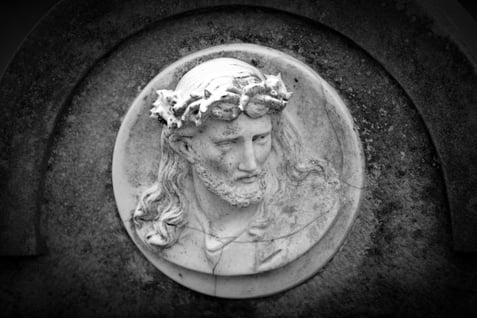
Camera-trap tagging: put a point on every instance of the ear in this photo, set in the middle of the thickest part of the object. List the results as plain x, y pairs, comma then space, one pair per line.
183, 146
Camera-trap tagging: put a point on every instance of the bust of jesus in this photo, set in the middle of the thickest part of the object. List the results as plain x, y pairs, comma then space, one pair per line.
235, 193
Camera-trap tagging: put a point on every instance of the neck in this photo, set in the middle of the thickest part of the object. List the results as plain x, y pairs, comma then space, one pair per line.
224, 218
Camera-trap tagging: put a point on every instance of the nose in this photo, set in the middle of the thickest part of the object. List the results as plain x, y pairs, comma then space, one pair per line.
248, 161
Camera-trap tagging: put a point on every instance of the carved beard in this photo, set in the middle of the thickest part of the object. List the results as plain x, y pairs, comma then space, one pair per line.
230, 193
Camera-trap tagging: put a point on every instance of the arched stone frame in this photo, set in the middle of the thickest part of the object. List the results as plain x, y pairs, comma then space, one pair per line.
37, 86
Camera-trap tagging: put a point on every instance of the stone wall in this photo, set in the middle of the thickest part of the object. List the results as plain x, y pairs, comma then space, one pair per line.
92, 61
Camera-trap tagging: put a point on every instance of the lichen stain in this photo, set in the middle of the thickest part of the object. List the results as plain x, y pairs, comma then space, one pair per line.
313, 232
231, 130
289, 210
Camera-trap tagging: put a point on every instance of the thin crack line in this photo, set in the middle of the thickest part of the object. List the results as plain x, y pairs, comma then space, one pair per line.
213, 271
262, 241
353, 186
325, 106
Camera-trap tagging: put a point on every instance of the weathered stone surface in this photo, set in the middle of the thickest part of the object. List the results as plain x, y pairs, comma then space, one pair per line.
90, 30
293, 218
398, 259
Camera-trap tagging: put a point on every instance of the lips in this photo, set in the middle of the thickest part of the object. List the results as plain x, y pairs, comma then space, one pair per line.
248, 179
252, 177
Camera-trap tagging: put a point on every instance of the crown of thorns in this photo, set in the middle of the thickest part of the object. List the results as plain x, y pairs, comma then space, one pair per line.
225, 102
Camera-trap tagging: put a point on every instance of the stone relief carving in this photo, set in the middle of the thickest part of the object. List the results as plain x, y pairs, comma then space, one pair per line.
235, 194
229, 186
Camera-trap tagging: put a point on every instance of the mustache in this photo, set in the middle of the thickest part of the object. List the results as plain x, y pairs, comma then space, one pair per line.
229, 191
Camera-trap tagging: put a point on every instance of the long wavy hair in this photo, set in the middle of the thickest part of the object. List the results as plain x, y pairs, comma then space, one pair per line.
162, 210
163, 206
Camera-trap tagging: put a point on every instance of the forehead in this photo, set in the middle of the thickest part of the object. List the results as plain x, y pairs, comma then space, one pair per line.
243, 125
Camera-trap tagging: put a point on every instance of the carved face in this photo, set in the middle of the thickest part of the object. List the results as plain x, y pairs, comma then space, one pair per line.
230, 158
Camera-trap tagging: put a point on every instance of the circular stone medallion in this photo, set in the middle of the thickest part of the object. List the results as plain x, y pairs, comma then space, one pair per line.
250, 180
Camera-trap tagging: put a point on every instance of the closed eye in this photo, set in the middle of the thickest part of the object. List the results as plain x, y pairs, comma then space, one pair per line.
224, 143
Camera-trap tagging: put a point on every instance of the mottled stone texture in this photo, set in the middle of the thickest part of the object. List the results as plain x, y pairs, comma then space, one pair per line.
398, 259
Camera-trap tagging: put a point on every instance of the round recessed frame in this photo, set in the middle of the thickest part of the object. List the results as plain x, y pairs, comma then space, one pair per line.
326, 127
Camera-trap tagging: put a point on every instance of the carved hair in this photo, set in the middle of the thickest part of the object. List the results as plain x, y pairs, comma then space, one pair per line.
161, 209
163, 205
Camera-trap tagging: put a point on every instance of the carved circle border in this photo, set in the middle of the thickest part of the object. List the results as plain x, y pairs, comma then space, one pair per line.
292, 274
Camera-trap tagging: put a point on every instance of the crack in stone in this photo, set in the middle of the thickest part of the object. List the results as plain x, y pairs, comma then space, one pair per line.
353, 186
334, 129
213, 271
261, 241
